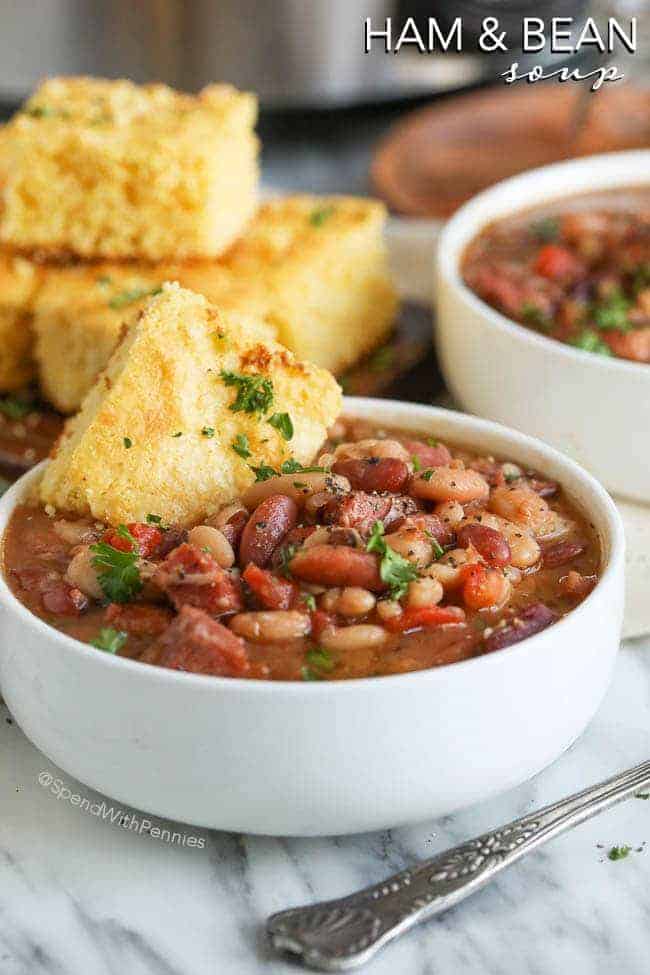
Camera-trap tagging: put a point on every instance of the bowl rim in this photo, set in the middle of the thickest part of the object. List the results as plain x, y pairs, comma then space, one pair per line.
612, 540
449, 253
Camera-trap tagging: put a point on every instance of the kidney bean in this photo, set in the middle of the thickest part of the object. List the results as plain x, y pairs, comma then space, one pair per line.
433, 525
270, 590
233, 528
266, 528
428, 455
196, 643
336, 565
171, 539
533, 619
416, 619
374, 474
561, 552
489, 543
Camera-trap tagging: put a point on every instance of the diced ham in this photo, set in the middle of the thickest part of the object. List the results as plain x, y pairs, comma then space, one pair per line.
198, 644
270, 590
360, 511
138, 619
191, 577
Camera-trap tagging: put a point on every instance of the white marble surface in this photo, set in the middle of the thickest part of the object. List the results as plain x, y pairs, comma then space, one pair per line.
80, 895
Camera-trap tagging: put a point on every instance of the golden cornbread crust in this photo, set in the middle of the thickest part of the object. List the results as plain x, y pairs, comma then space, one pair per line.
98, 168
313, 268
155, 432
18, 282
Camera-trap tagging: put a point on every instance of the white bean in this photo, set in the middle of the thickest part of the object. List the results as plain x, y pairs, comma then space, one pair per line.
450, 484
411, 544
299, 486
271, 627
72, 532
82, 574
215, 542
424, 592
223, 517
347, 639
525, 507
388, 609
361, 449
355, 601
447, 569
450, 513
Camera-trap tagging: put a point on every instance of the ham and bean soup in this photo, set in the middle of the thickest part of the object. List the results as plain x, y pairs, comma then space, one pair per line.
393, 553
577, 270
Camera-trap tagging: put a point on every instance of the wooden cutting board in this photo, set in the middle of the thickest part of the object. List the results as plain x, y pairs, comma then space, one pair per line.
439, 156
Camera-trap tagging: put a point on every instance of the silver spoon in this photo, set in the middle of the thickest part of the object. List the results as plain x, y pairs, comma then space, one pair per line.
337, 935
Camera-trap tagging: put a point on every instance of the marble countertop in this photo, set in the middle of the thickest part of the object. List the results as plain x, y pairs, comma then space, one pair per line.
81, 895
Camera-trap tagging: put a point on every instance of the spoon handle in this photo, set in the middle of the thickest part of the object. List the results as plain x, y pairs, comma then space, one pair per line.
337, 935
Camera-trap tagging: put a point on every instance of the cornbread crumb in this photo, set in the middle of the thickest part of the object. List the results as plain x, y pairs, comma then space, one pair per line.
314, 269
162, 388
101, 168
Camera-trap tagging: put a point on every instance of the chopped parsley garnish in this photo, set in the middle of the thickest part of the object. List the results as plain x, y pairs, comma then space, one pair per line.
310, 602
308, 674
241, 445
117, 571
642, 795
590, 341
286, 554
612, 312
535, 317
427, 475
619, 852
318, 217
290, 466
104, 280
546, 230
394, 569
438, 550
416, 463
254, 392
264, 472
109, 640
432, 442
128, 443
14, 407
283, 424
179, 433
45, 111
320, 659
154, 519
208, 432
129, 295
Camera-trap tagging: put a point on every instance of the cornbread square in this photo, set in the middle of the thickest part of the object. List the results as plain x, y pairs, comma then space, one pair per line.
111, 169
313, 268
18, 281
156, 432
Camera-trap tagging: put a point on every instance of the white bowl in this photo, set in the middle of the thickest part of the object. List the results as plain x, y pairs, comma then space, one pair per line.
592, 407
307, 759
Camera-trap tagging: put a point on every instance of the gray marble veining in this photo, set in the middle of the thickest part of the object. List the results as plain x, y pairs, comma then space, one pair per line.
81, 895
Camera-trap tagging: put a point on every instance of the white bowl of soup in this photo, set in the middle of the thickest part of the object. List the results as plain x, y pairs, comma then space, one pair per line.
543, 311
437, 621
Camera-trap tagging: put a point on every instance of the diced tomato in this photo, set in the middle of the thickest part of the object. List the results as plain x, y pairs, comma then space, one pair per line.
191, 577
270, 590
139, 619
483, 586
147, 538
196, 643
556, 262
417, 619
320, 620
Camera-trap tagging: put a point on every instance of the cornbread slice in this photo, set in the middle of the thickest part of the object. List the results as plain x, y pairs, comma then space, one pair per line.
111, 169
156, 432
18, 281
314, 268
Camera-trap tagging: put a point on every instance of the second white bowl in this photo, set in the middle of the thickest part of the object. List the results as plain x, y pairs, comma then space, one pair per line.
594, 408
